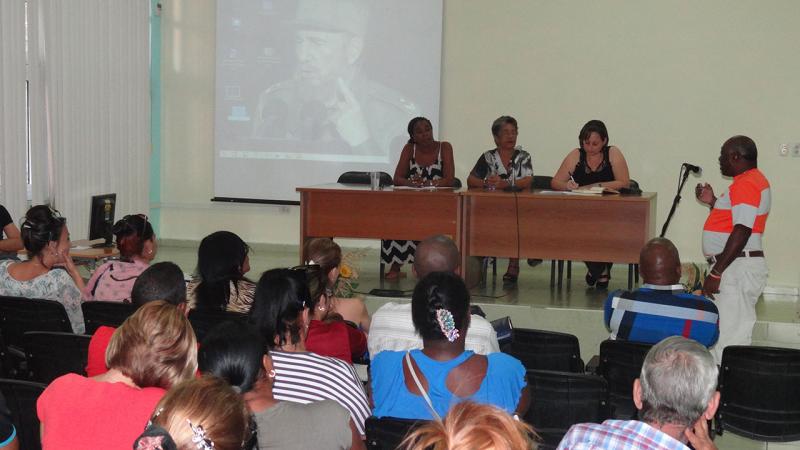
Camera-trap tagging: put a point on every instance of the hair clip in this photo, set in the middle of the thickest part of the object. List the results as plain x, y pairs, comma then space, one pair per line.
311, 262
199, 438
447, 324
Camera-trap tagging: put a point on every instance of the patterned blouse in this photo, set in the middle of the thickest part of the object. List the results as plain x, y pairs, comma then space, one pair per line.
240, 299
54, 285
113, 281
490, 163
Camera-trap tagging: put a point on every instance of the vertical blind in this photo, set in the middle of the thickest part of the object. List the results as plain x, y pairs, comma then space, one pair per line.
13, 149
90, 105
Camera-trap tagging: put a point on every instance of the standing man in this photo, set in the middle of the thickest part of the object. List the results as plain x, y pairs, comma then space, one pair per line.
732, 242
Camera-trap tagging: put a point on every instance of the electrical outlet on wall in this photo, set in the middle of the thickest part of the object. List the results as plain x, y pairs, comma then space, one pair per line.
783, 150
795, 150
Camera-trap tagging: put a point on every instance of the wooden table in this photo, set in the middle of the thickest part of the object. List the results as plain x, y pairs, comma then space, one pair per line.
355, 211
557, 226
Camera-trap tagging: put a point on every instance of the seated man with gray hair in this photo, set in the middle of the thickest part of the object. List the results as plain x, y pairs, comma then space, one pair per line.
675, 394
391, 327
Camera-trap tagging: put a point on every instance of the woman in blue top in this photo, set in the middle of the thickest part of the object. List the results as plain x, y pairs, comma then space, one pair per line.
445, 373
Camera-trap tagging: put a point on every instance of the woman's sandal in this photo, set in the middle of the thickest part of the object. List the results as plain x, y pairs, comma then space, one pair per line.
512, 273
602, 281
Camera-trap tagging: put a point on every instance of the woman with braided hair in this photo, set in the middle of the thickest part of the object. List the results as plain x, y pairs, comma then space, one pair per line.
46, 238
425, 384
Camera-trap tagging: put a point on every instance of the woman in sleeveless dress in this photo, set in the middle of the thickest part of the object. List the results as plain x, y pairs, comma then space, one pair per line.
594, 163
423, 162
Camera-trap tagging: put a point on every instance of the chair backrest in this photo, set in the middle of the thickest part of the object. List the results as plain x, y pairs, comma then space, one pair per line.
562, 399
110, 314
51, 354
18, 315
542, 182
545, 350
620, 364
204, 321
21, 399
354, 177
387, 433
760, 393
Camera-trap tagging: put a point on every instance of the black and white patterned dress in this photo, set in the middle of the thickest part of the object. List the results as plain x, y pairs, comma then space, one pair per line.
402, 252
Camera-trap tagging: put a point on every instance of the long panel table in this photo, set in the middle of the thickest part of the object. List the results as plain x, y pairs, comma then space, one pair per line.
556, 225
357, 212
545, 225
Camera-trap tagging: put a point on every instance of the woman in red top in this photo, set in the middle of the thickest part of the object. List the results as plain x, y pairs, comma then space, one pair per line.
152, 350
328, 334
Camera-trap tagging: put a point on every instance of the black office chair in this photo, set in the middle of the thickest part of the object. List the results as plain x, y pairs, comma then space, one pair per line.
387, 433
545, 350
52, 354
760, 393
18, 315
354, 177
204, 321
21, 399
541, 182
110, 314
562, 399
621, 363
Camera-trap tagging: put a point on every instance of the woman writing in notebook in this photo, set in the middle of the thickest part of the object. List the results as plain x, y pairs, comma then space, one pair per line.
593, 163
423, 162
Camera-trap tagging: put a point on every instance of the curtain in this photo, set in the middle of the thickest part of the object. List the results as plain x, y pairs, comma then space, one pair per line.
13, 148
90, 105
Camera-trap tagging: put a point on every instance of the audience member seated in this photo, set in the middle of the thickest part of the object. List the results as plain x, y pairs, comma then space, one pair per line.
661, 307
151, 351
235, 353
49, 272
472, 426
8, 434
675, 395
199, 414
505, 166
280, 312
392, 327
219, 283
161, 281
424, 384
136, 242
593, 163
12, 242
423, 161
328, 335
328, 255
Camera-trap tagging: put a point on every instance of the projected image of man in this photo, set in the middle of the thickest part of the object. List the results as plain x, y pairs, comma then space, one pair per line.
329, 99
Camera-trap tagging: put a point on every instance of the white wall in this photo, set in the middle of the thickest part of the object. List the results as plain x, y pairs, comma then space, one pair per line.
672, 80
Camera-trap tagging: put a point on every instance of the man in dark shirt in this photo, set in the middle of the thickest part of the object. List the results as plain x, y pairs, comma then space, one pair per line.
661, 307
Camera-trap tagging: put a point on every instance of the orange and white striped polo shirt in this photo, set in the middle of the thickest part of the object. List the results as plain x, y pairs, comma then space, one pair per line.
746, 202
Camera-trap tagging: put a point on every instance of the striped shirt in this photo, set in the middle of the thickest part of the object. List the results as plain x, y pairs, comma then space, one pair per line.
619, 435
305, 377
654, 312
746, 202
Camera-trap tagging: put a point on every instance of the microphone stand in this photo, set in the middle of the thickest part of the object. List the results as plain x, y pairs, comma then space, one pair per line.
676, 200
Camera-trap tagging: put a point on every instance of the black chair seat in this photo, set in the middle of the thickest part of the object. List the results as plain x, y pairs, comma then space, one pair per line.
545, 350
620, 364
110, 314
52, 354
562, 399
387, 433
18, 315
21, 399
355, 177
760, 393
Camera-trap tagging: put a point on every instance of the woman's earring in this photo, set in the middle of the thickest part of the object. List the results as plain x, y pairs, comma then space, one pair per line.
271, 374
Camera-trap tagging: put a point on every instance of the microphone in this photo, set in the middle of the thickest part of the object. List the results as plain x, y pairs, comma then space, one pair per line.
512, 187
692, 168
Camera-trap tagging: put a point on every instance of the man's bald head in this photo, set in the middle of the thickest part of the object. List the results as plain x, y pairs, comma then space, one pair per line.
436, 254
659, 262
